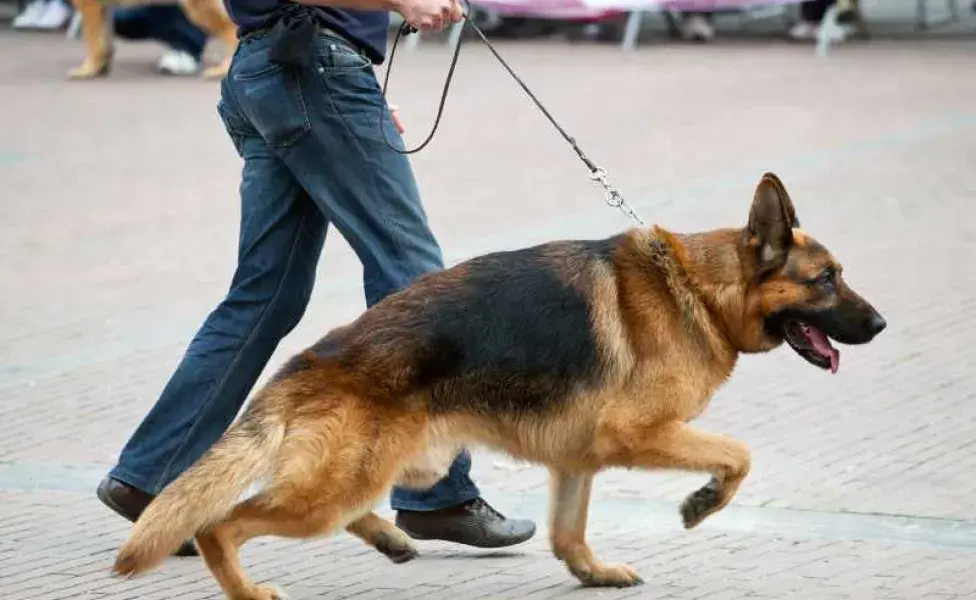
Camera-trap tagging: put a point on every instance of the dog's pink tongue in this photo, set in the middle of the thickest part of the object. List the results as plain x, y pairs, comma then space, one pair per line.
822, 345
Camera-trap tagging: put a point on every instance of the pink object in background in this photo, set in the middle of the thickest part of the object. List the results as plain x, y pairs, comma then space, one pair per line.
597, 9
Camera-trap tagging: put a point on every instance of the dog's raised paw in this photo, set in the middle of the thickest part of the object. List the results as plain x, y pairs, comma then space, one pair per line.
700, 503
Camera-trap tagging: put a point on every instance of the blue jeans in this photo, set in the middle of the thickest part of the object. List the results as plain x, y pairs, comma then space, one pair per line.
314, 156
164, 23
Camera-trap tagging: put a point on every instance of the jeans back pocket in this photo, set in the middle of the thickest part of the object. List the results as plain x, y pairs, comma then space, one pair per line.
270, 95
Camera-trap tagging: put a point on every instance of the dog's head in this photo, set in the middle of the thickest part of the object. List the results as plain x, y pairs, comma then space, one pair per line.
803, 298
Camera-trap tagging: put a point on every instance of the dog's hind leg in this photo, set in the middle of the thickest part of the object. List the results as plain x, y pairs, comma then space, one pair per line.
210, 16
265, 514
680, 446
331, 468
286, 510
422, 471
570, 499
383, 535
96, 32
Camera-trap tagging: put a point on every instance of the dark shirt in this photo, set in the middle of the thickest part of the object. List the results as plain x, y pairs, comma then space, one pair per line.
367, 29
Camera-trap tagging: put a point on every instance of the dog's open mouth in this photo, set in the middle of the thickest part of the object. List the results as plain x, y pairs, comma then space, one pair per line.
812, 344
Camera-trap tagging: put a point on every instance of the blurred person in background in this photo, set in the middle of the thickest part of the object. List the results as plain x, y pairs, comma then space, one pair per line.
44, 14
697, 26
811, 16
164, 23
169, 25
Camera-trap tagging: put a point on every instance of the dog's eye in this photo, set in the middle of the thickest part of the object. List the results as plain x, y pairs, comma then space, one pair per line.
828, 277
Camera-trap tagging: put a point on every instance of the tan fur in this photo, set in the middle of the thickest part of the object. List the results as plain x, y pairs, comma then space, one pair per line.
669, 313
206, 493
209, 15
570, 498
607, 322
430, 466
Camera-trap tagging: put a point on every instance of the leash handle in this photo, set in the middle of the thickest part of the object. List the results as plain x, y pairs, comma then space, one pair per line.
407, 29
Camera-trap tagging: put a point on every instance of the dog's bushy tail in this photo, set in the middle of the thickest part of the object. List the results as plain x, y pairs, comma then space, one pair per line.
204, 494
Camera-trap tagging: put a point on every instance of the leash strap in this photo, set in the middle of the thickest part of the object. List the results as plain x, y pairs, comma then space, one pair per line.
612, 196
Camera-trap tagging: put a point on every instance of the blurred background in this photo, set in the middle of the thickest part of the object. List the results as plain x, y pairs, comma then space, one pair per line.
118, 225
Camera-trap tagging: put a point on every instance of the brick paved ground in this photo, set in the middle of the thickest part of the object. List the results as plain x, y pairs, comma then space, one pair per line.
117, 223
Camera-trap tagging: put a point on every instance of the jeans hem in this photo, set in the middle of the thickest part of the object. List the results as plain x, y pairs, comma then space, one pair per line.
464, 495
131, 479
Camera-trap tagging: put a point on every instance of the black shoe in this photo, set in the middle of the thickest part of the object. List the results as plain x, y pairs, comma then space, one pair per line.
474, 523
129, 503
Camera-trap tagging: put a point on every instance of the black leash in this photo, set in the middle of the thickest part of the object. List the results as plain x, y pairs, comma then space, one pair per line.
613, 197
406, 29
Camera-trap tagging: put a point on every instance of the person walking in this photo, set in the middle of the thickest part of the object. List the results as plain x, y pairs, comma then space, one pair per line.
166, 23
304, 110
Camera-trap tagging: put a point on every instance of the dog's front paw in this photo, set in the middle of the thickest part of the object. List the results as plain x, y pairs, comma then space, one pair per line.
268, 592
601, 575
90, 69
701, 503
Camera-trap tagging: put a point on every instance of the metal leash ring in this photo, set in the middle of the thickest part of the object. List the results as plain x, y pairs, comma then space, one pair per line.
613, 197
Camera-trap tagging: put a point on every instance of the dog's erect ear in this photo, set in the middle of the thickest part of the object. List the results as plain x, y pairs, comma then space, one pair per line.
771, 222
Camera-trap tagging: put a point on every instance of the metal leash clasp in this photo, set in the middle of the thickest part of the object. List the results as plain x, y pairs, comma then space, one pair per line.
612, 197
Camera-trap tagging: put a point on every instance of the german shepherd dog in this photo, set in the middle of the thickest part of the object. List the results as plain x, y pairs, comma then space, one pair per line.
96, 23
577, 355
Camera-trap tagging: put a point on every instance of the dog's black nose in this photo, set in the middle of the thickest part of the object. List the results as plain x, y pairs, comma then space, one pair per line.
877, 324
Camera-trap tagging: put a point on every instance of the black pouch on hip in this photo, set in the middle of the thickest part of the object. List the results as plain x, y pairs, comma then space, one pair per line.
294, 35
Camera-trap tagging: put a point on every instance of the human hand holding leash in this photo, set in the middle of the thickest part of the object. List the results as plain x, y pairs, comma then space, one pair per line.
429, 15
